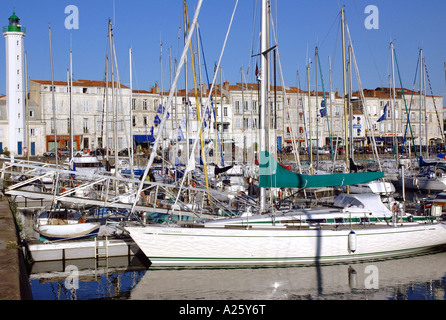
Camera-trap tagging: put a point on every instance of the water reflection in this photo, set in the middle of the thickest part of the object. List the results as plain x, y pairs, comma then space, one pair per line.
417, 277
87, 279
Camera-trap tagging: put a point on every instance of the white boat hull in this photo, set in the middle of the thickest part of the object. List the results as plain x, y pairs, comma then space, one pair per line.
192, 246
69, 231
425, 183
377, 187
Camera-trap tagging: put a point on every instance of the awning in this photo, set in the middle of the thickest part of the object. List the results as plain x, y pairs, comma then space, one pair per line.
377, 139
143, 138
389, 139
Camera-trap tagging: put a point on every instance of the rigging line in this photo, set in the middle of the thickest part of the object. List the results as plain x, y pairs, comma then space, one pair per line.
192, 155
198, 106
331, 27
358, 78
211, 97
169, 102
404, 99
325, 103
433, 98
293, 136
252, 34
410, 105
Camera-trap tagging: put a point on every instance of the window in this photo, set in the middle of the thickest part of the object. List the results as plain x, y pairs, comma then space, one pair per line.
85, 105
134, 121
225, 110
84, 90
133, 104
85, 125
254, 106
120, 125
99, 105
237, 107
145, 122
99, 124
144, 104
238, 123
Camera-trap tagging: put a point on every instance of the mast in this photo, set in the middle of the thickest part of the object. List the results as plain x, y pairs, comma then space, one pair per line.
331, 109
105, 123
310, 150
185, 92
421, 100
350, 106
316, 109
263, 143
71, 105
28, 150
132, 175
344, 76
52, 100
395, 140
114, 104
425, 109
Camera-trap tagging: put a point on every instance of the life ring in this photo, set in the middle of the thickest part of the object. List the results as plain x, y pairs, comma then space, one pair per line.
192, 184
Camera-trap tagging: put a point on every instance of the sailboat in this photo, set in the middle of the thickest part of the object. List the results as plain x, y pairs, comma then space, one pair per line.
362, 228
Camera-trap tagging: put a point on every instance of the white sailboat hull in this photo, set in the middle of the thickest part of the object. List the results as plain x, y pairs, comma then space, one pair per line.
377, 187
425, 183
68, 231
193, 246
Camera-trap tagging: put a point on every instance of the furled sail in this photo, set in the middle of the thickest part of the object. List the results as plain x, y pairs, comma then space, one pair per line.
272, 175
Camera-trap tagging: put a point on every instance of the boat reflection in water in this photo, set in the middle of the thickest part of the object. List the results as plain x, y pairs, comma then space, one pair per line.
415, 277
86, 279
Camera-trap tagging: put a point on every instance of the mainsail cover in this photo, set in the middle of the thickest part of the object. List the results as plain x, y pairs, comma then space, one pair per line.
272, 175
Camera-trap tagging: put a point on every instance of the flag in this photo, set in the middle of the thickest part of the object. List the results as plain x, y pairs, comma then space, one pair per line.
157, 120
161, 110
384, 116
180, 134
257, 70
323, 111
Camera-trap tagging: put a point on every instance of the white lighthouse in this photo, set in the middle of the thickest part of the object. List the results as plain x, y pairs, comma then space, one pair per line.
15, 86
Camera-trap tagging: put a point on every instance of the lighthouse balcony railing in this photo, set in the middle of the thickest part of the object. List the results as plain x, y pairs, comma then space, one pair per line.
14, 29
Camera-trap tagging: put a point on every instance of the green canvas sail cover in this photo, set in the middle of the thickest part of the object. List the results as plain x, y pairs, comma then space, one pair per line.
272, 175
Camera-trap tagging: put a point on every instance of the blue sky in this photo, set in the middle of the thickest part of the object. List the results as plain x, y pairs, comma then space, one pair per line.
300, 25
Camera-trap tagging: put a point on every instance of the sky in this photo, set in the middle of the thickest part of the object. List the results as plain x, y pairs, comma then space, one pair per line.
300, 26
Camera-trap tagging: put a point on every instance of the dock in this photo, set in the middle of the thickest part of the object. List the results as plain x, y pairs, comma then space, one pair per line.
14, 284
83, 249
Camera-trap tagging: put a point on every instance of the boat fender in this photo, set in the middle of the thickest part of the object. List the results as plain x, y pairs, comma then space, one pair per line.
352, 242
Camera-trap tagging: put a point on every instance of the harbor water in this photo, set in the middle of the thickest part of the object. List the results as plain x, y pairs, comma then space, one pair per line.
413, 277
417, 277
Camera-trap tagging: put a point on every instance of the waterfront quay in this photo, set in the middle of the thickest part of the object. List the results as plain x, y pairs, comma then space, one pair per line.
14, 284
